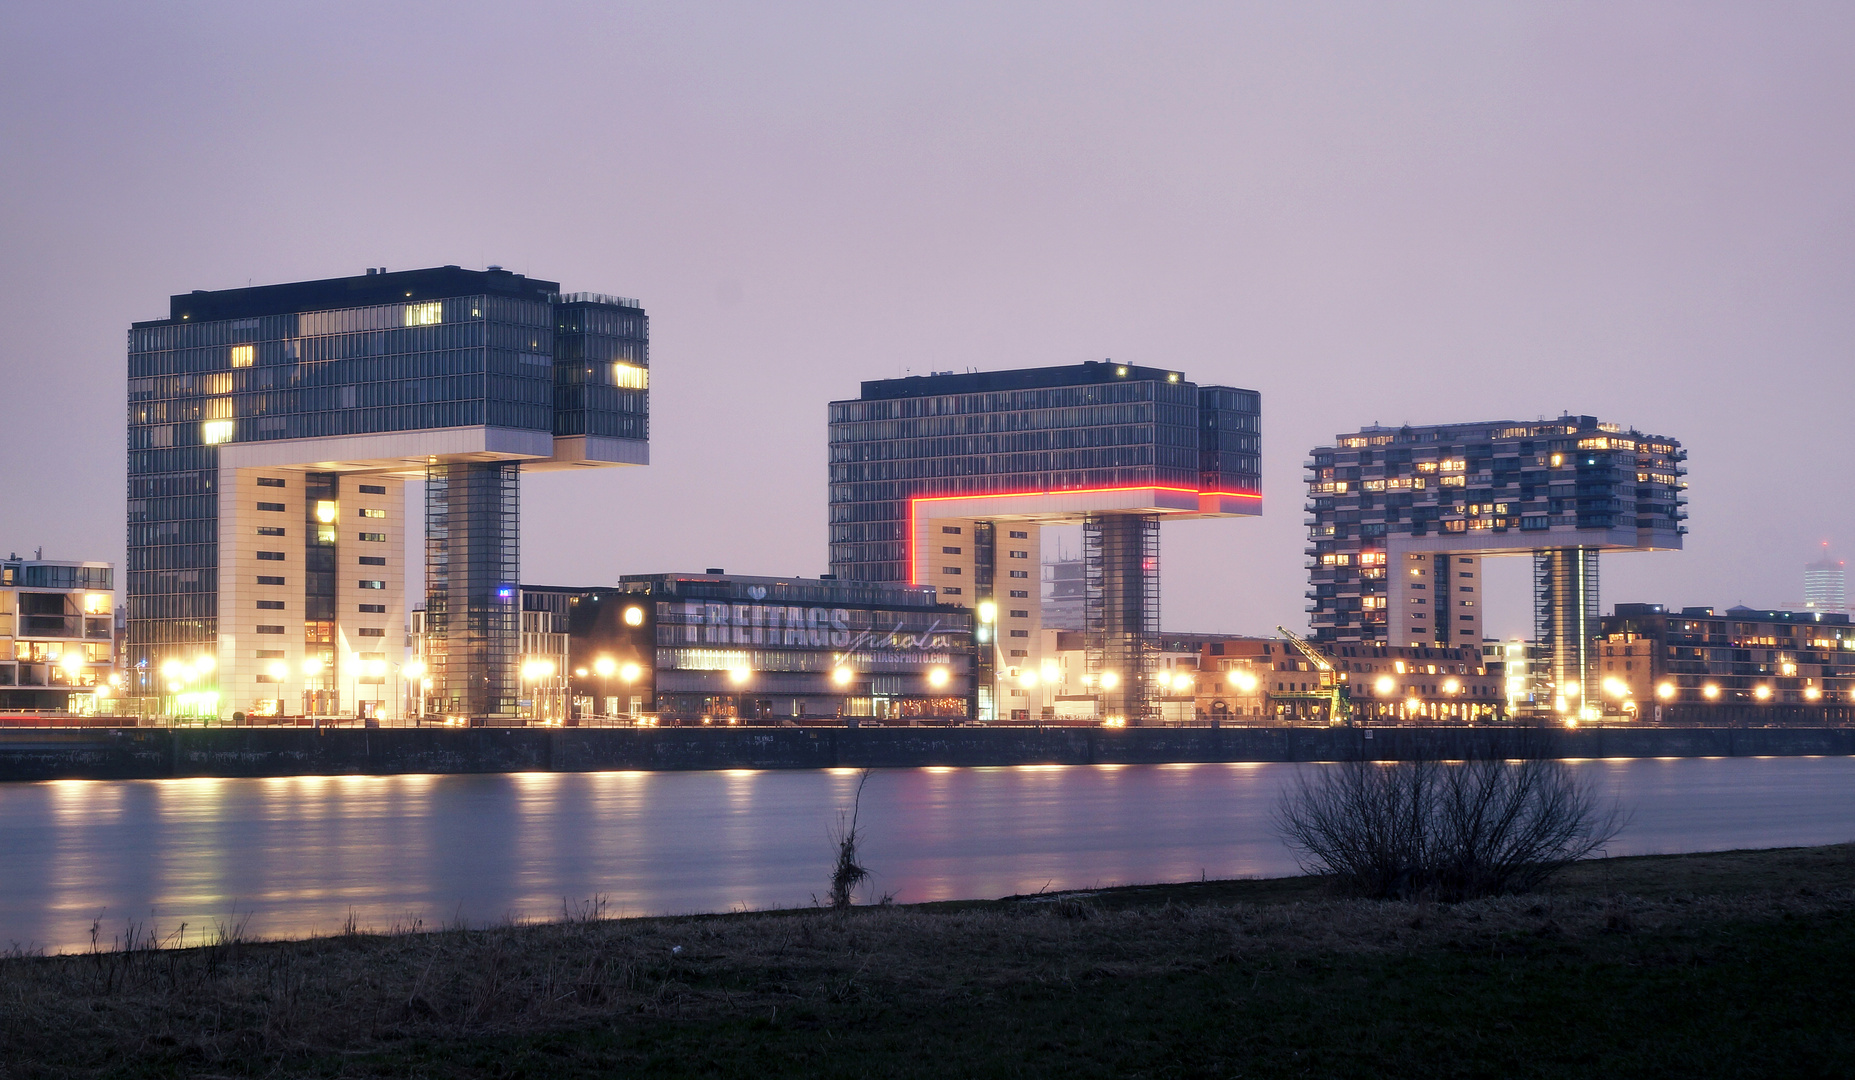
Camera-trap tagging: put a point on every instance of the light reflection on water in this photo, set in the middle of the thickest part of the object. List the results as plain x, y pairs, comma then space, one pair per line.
297, 855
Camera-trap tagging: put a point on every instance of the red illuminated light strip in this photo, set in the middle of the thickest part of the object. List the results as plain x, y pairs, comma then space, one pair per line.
914, 500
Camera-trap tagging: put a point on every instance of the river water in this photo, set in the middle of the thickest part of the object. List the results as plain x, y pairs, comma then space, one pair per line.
301, 855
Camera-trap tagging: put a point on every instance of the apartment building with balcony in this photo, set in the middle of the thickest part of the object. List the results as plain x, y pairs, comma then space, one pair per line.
1400, 519
57, 634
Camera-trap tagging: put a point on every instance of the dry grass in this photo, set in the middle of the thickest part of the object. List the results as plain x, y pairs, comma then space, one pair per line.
242, 1007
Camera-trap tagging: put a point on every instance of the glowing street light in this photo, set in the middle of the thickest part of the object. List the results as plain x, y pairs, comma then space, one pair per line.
634, 616
1386, 685
739, 676
1762, 693
1811, 693
1452, 686
842, 676
1665, 691
605, 665
937, 677
988, 611
1710, 691
1109, 680
1242, 680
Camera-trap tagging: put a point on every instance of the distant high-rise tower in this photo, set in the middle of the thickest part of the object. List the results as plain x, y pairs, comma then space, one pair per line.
1825, 584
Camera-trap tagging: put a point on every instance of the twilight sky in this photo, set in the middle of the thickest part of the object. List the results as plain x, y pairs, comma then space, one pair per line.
1367, 212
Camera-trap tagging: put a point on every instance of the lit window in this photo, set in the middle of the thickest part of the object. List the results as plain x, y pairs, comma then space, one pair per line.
213, 432
428, 314
631, 376
373, 513
244, 355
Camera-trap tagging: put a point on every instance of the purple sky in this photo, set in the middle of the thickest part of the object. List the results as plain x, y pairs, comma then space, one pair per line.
1374, 212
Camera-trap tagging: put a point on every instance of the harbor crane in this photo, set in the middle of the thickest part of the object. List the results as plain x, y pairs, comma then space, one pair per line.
1331, 690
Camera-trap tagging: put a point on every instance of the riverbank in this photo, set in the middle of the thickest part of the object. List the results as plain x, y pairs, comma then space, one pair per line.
1726, 964
151, 753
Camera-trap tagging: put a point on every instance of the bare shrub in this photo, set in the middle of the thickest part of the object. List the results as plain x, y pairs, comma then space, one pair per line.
1447, 830
847, 873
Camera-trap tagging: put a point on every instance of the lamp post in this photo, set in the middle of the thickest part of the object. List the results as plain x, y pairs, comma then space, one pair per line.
312, 667
739, 677
413, 674
535, 670
605, 665
629, 673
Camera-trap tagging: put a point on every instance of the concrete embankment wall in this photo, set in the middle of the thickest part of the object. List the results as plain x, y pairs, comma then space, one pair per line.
143, 754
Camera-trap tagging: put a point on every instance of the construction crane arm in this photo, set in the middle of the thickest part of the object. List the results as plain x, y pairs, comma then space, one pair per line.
1320, 662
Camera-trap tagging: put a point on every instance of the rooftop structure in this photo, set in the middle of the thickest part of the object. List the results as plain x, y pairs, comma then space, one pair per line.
271, 432
946, 479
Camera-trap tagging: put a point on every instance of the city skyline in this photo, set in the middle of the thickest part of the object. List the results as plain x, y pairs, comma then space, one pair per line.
1610, 213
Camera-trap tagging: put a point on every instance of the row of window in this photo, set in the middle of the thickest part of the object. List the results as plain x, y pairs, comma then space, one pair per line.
360, 631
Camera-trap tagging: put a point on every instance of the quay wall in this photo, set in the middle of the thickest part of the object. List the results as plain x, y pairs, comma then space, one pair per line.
131, 753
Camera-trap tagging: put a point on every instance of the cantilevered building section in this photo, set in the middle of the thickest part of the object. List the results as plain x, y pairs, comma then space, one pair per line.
271, 432
1400, 519
946, 480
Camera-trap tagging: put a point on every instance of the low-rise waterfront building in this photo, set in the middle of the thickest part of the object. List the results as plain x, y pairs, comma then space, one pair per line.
1743, 665
726, 648
57, 634
1226, 678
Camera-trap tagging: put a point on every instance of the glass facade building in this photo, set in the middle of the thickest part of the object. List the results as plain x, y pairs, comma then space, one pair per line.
271, 430
945, 479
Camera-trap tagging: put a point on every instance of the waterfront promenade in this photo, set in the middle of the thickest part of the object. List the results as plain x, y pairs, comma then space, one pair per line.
132, 753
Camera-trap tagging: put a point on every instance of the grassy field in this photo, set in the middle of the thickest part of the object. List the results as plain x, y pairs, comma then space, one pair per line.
1730, 964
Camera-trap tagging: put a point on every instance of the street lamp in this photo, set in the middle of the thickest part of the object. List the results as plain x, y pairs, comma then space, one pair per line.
605, 665
630, 674
535, 670
414, 674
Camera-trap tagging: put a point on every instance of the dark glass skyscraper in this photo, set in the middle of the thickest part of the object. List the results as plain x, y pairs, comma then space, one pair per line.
271, 430
945, 480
